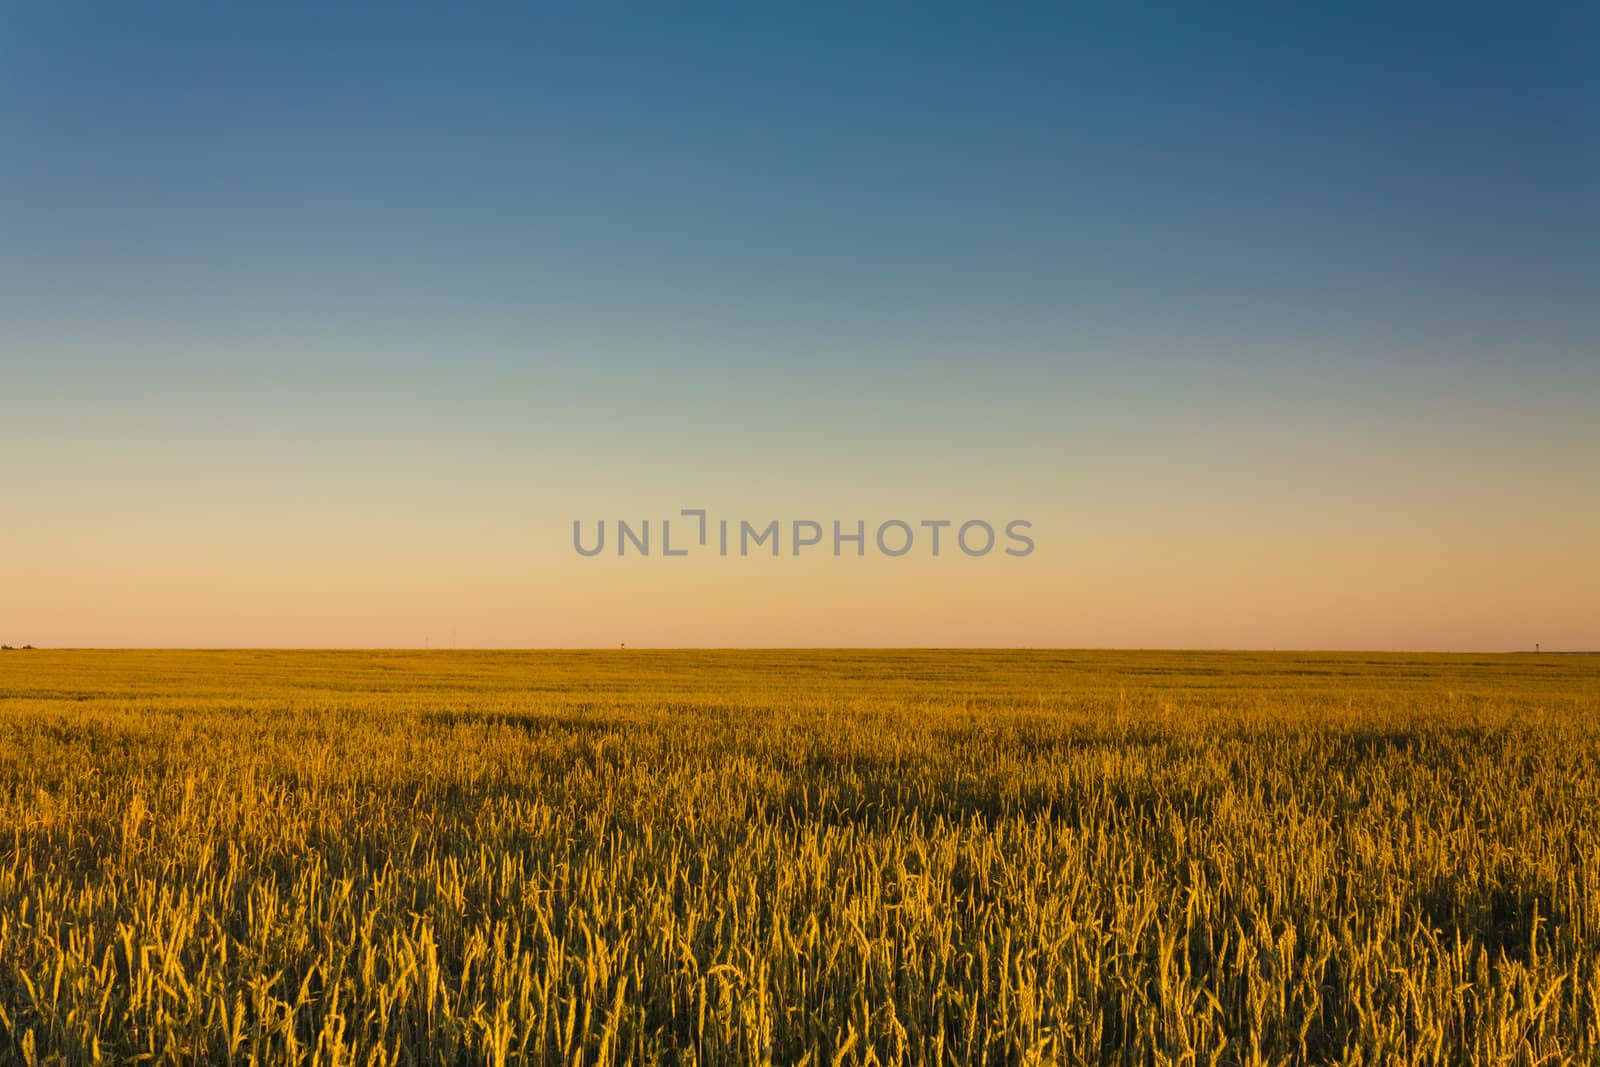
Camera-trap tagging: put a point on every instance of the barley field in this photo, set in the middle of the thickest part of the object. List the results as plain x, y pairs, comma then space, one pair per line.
798, 858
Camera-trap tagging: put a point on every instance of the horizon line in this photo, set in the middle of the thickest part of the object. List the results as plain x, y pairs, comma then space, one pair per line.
623, 647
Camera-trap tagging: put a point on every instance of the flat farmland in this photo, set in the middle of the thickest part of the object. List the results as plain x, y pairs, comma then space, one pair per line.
821, 857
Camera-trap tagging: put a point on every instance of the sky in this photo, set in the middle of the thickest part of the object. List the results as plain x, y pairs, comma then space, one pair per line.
321, 327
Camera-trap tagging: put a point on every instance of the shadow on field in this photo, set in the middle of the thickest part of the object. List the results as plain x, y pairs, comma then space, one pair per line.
1505, 920
1362, 746
578, 725
873, 792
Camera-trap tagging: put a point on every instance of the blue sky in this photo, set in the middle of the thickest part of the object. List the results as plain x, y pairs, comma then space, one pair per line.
746, 250
1426, 177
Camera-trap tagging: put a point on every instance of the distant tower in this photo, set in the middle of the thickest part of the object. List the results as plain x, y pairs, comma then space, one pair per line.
1536, 648
623, 647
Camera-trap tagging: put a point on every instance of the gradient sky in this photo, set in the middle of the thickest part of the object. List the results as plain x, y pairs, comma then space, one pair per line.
319, 327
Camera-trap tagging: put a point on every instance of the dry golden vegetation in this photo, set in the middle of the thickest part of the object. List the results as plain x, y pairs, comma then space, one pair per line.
799, 857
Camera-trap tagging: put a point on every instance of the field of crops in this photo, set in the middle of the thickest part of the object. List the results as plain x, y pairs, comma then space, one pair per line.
799, 857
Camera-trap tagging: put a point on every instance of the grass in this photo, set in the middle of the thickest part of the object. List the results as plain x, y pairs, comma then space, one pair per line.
799, 857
